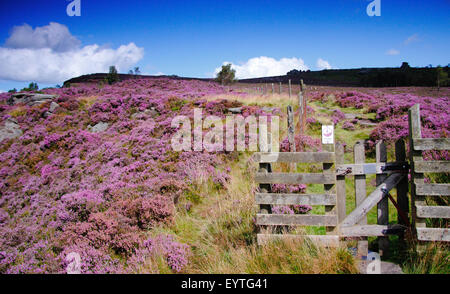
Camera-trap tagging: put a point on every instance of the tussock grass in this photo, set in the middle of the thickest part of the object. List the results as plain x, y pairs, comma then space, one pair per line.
222, 234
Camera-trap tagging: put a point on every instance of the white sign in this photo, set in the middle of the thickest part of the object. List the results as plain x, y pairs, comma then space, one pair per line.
328, 134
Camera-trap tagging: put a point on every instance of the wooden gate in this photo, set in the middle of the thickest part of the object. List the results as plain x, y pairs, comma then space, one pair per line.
389, 175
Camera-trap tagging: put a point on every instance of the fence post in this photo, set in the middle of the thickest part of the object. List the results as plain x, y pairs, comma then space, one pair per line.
273, 89
280, 88
383, 205
291, 128
300, 111
415, 132
402, 187
290, 91
340, 185
329, 188
304, 103
360, 193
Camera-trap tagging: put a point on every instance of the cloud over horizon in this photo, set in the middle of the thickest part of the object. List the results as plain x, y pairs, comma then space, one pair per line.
392, 52
264, 66
412, 39
323, 64
51, 54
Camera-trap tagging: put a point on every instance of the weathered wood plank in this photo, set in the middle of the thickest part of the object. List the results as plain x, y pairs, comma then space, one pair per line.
433, 234
433, 211
291, 128
329, 189
266, 188
340, 185
297, 219
433, 189
323, 240
383, 204
292, 199
432, 144
414, 156
432, 166
402, 187
357, 169
363, 231
361, 210
294, 178
297, 157
360, 180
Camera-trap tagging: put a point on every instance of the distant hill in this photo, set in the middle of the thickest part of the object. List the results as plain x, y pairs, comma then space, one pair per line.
97, 77
359, 77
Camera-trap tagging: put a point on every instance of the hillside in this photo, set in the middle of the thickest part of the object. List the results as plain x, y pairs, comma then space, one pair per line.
91, 170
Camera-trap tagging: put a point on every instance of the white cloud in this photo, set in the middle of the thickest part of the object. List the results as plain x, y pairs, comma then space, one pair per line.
52, 55
1, 91
54, 36
412, 39
323, 64
392, 52
265, 66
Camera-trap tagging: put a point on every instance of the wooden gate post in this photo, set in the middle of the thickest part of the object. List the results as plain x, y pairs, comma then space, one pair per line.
402, 187
340, 185
329, 188
383, 205
266, 188
414, 156
360, 193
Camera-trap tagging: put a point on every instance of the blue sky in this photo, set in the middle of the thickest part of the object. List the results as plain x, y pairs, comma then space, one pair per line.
193, 38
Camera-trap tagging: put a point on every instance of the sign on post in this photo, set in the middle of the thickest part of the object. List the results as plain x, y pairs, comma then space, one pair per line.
328, 134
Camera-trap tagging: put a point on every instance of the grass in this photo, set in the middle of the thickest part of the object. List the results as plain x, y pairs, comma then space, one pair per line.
222, 234
220, 226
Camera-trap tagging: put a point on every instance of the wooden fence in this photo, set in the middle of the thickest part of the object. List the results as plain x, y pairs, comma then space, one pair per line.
419, 189
389, 175
337, 223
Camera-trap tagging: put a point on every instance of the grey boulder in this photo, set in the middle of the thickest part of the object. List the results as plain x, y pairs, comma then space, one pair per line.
10, 130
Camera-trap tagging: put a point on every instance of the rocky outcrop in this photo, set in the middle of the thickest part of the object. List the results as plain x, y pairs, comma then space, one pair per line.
30, 98
10, 129
98, 128
145, 114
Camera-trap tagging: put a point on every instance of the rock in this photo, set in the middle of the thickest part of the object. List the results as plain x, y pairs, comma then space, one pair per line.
30, 98
53, 106
98, 128
367, 123
143, 115
47, 114
235, 110
350, 115
268, 109
10, 130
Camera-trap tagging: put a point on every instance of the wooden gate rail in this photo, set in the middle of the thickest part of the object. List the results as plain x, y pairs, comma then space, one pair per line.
338, 224
265, 198
419, 189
